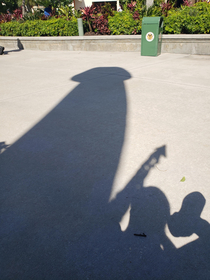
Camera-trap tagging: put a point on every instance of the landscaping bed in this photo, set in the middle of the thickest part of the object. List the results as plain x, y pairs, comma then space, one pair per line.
102, 20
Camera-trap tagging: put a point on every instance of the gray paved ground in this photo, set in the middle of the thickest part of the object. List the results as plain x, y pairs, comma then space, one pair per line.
93, 148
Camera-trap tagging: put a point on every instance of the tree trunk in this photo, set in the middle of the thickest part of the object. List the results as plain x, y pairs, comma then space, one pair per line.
23, 7
90, 27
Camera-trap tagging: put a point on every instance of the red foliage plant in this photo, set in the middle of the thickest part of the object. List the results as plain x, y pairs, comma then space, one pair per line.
187, 3
97, 17
136, 15
131, 6
5, 18
166, 7
101, 24
17, 14
88, 15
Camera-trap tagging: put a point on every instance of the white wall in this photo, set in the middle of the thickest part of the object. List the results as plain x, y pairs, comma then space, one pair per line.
87, 3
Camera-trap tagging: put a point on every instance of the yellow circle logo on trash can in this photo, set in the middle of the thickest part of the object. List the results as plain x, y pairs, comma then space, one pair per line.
150, 36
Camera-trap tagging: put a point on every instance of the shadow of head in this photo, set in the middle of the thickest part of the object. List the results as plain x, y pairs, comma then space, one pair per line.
101, 74
20, 45
184, 222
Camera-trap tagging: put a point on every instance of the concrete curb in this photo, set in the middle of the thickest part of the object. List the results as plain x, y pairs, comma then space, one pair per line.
180, 44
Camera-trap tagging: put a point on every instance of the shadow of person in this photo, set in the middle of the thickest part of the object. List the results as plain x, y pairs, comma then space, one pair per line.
56, 221
56, 181
192, 260
145, 232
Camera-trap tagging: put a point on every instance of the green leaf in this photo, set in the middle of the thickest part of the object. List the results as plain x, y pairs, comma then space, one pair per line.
183, 179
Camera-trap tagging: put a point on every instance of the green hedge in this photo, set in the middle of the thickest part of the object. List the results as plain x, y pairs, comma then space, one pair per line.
186, 20
189, 20
123, 23
51, 27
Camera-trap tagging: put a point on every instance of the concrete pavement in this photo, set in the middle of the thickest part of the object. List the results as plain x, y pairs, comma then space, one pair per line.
93, 149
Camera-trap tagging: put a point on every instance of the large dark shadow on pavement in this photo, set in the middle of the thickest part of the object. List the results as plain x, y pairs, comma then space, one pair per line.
56, 181
56, 219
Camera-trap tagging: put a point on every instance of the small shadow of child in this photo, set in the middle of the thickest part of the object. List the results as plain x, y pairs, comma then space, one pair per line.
192, 259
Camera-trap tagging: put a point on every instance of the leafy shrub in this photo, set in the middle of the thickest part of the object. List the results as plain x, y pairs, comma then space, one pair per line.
33, 16
173, 24
51, 27
139, 9
100, 18
187, 3
17, 14
88, 15
96, 17
131, 6
189, 20
7, 17
66, 11
166, 7
124, 23
136, 15
106, 10
100, 24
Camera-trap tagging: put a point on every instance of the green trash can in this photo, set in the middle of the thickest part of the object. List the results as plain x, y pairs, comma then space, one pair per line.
151, 36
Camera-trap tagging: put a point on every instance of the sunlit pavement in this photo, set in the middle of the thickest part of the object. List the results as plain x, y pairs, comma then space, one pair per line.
99, 146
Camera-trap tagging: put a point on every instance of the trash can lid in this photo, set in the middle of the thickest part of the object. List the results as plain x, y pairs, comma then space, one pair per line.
152, 20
